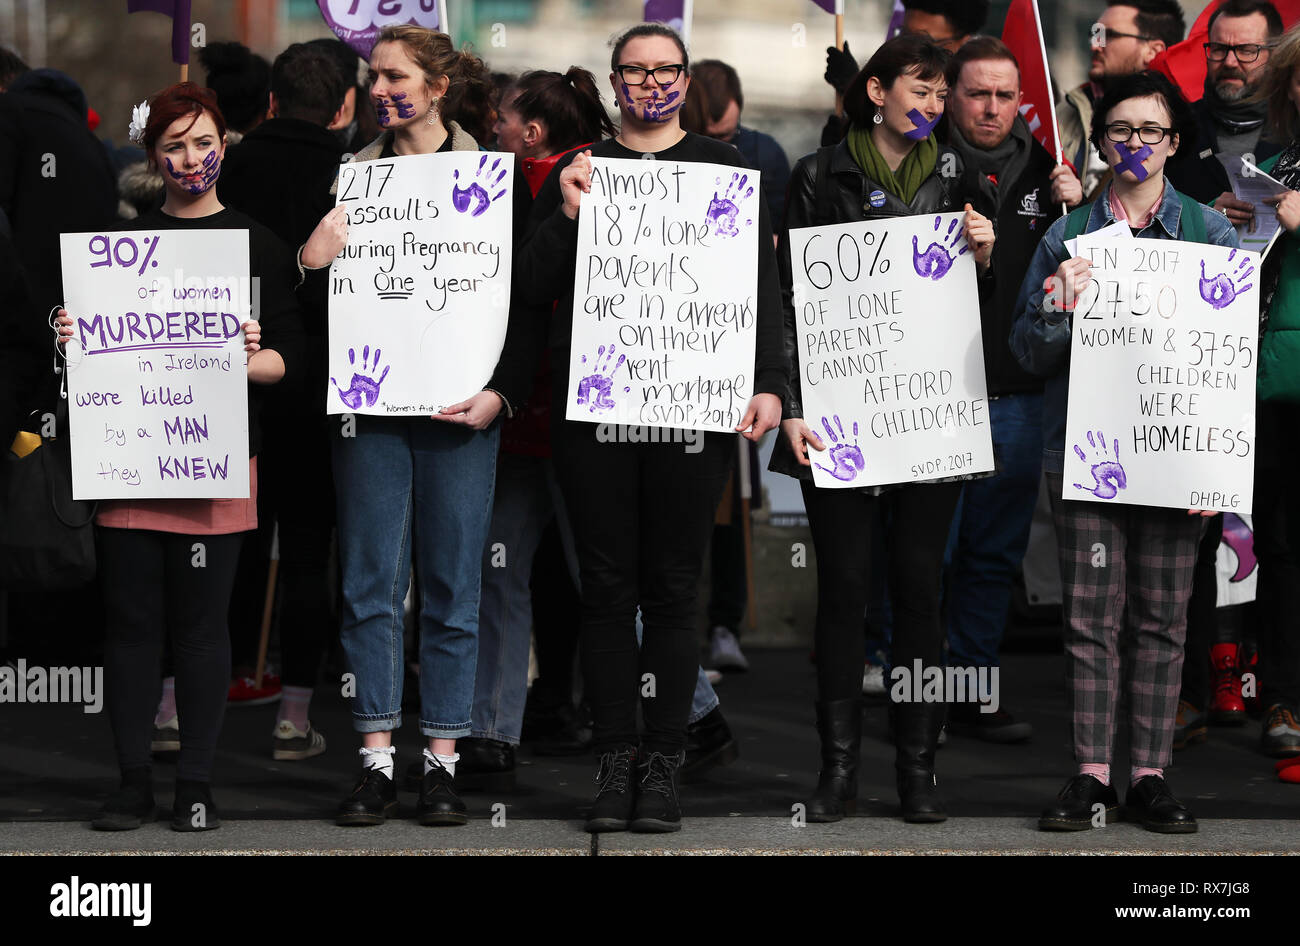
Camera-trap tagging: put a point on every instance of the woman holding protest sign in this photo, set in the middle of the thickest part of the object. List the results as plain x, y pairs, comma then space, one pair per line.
413, 487
891, 157
168, 565
641, 512
1125, 569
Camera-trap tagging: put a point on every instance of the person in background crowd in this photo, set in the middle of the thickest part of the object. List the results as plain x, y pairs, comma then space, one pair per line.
904, 176
1230, 123
641, 512
1126, 617
946, 23
355, 126
241, 78
307, 99
1277, 512
1125, 38
1018, 184
145, 547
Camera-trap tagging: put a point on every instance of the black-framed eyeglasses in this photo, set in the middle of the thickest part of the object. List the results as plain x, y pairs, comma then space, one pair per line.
636, 75
1147, 134
1105, 34
1246, 52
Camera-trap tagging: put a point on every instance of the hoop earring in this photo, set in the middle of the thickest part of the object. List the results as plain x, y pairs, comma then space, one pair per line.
877, 118
433, 110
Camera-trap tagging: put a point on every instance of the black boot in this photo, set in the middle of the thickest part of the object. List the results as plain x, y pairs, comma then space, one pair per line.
131, 805
839, 725
916, 737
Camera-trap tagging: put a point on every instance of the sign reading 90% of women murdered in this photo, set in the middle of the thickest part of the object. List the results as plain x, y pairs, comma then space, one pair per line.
665, 295
420, 296
890, 358
1162, 376
157, 375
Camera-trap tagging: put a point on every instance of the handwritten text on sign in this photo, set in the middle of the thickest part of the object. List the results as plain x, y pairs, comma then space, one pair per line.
1162, 376
890, 359
664, 295
157, 376
420, 296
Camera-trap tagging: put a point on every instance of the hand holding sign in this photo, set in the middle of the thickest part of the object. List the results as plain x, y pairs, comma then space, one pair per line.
575, 180
327, 240
1288, 210
979, 235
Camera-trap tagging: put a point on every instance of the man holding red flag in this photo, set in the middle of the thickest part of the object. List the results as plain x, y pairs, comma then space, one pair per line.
1125, 38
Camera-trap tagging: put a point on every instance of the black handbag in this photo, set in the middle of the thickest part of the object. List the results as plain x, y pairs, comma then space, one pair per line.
47, 539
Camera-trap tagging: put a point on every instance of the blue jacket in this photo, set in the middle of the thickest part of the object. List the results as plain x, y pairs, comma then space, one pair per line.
762, 152
1040, 338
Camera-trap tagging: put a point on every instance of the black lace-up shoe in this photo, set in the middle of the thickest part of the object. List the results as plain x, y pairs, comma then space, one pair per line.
656, 795
1076, 803
372, 801
439, 804
615, 793
1150, 803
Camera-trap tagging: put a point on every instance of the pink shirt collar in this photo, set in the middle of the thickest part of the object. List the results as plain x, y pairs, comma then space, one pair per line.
1121, 215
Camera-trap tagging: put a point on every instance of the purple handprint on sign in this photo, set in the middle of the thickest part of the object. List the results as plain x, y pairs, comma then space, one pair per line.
595, 389
938, 257
474, 198
847, 457
1107, 474
364, 389
1220, 290
722, 212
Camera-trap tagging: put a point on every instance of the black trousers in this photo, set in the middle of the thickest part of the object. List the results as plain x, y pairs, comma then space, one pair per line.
842, 523
1202, 618
1277, 531
641, 515
158, 585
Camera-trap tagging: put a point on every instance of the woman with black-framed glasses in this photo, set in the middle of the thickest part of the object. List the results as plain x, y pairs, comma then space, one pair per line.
641, 513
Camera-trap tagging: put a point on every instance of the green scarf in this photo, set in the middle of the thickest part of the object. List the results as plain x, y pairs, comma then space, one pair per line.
911, 174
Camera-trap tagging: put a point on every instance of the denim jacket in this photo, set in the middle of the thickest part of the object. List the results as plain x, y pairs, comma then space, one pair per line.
1040, 337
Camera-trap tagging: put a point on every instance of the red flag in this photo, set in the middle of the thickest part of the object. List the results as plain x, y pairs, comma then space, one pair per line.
1023, 34
1184, 63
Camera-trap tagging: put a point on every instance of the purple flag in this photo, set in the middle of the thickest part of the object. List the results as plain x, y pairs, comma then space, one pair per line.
895, 20
358, 22
831, 6
179, 11
672, 12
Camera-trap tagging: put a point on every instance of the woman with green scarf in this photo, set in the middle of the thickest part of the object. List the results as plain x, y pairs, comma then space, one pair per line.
889, 165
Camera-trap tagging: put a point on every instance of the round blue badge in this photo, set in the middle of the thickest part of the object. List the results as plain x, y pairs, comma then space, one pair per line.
877, 198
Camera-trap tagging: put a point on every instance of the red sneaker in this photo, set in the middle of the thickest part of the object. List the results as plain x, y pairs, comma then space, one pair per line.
1226, 707
243, 692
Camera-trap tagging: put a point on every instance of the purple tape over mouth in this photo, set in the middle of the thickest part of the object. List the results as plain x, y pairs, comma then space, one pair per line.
923, 126
1132, 160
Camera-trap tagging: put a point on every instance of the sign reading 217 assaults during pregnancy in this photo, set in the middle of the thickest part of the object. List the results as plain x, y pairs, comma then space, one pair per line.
157, 375
890, 359
420, 296
665, 295
1162, 376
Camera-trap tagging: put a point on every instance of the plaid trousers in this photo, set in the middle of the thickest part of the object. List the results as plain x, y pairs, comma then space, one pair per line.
1126, 576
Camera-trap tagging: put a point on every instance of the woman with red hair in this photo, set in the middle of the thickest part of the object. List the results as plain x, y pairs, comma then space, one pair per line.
151, 574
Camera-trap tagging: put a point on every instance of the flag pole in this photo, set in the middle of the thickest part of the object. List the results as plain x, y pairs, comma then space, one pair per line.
688, 13
444, 22
1051, 102
839, 44
185, 72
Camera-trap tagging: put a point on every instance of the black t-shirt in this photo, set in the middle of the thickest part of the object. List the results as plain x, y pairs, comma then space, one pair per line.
545, 265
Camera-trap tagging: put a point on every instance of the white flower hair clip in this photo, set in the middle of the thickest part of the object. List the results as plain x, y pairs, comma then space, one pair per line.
139, 118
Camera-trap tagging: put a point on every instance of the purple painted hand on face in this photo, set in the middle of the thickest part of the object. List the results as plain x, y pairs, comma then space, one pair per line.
203, 179
846, 458
923, 125
1132, 160
1108, 477
404, 108
596, 389
659, 109
474, 198
364, 389
722, 212
381, 112
1220, 290
938, 257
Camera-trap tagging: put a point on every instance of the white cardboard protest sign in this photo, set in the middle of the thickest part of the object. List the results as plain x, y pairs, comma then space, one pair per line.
157, 377
1162, 376
890, 358
420, 296
665, 295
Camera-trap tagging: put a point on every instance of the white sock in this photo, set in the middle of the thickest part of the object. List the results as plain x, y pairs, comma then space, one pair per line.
448, 762
167, 705
294, 704
380, 757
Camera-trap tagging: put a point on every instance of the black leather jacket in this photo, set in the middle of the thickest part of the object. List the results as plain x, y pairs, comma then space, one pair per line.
849, 202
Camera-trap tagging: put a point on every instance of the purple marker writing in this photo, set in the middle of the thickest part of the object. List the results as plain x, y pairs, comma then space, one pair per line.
923, 125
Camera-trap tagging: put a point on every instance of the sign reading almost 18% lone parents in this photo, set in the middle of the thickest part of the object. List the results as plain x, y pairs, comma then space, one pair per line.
665, 295
890, 359
1162, 376
420, 296
157, 375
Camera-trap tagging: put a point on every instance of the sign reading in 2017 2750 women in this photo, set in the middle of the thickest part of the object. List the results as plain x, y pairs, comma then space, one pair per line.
890, 359
664, 296
1162, 376
420, 296
157, 377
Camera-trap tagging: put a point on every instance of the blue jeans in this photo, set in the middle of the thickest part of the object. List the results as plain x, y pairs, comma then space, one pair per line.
992, 530
527, 496
403, 486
